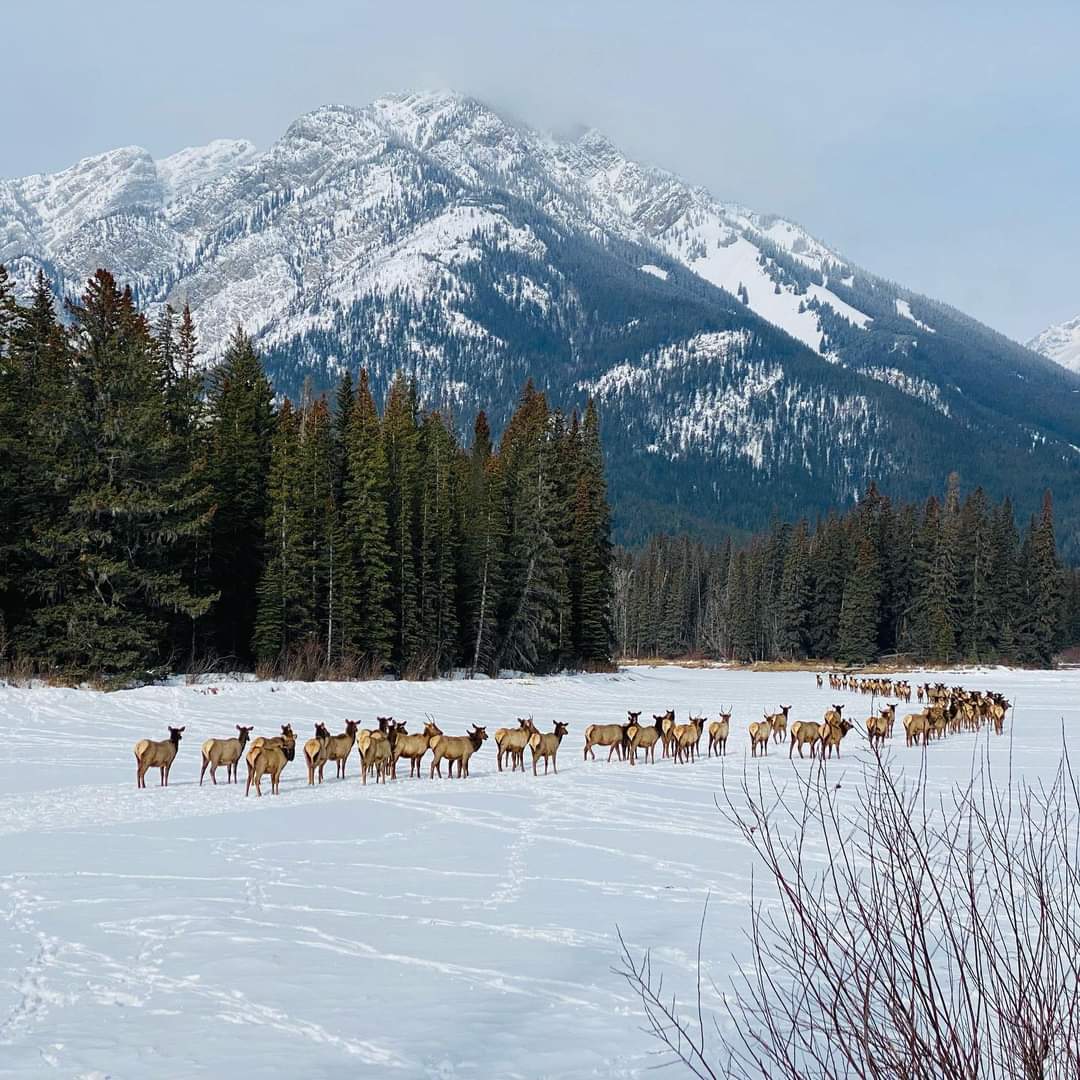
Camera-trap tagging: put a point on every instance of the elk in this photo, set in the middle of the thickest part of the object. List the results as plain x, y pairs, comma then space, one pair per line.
261, 741
686, 738
315, 753
365, 735
157, 754
834, 715
914, 727
830, 734
340, 747
603, 735
546, 746
888, 713
760, 733
271, 757
667, 726
804, 733
718, 734
413, 747
225, 752
511, 742
459, 748
778, 722
877, 728
378, 755
645, 739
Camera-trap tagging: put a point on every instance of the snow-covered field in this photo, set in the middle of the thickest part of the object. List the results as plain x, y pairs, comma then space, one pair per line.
421, 928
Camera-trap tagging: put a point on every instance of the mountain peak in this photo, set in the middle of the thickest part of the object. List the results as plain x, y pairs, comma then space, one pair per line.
1060, 343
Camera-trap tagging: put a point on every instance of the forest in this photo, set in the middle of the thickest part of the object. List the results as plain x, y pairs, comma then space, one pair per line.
155, 518
951, 580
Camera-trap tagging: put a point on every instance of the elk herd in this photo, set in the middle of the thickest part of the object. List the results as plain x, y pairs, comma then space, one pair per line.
946, 710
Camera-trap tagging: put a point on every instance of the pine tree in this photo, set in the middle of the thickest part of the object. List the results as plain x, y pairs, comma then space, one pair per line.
241, 429
401, 450
859, 615
796, 595
591, 550
934, 633
284, 614
535, 575
440, 539
365, 563
485, 538
1041, 633
106, 567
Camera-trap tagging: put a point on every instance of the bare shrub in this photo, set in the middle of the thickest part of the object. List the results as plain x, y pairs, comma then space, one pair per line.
916, 937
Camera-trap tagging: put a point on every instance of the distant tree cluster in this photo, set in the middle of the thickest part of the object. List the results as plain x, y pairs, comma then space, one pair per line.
951, 580
153, 518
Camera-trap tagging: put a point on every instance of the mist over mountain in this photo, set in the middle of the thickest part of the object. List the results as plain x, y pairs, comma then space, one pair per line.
742, 367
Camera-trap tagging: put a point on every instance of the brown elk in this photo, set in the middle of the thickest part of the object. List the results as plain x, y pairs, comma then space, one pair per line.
760, 733
261, 741
271, 757
610, 735
804, 733
667, 728
644, 739
227, 752
687, 738
546, 746
340, 747
459, 748
157, 754
315, 753
830, 735
718, 734
511, 742
413, 747
778, 722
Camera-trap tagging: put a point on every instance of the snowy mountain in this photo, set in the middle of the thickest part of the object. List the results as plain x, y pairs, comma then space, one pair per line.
1060, 343
743, 366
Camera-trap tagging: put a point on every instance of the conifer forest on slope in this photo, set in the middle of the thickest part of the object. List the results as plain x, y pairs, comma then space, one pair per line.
155, 518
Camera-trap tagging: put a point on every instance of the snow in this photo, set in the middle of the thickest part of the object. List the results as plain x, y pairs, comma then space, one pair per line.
184, 171
903, 308
656, 271
415, 929
1060, 343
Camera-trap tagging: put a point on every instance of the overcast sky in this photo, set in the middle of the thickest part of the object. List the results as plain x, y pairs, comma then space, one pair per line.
936, 143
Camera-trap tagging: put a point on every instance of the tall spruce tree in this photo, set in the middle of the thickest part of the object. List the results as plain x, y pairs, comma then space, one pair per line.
402, 454
106, 568
365, 564
241, 429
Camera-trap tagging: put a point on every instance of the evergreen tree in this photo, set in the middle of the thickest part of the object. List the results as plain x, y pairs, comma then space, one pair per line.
402, 453
440, 540
796, 595
241, 428
485, 539
365, 555
106, 567
591, 550
284, 613
535, 575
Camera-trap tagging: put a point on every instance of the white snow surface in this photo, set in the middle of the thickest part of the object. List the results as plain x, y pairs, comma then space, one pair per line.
415, 929
1060, 343
903, 309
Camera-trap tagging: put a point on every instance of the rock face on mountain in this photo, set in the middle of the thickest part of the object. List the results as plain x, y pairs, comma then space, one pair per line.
1060, 343
743, 368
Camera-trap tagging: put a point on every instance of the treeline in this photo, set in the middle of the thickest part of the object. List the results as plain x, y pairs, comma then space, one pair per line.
154, 518
951, 580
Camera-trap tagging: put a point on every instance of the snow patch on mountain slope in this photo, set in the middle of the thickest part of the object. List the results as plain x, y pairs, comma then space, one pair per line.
911, 385
656, 271
903, 309
1060, 343
182, 172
